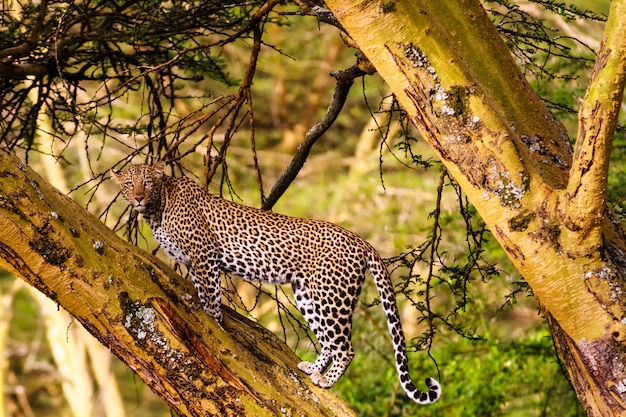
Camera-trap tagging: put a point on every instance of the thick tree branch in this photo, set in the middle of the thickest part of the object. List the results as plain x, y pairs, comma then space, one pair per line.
317, 9
23, 71
145, 313
15, 51
457, 81
345, 79
598, 116
582, 360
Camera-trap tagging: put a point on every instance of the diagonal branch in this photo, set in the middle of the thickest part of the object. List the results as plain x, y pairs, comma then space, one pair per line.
144, 313
345, 79
598, 116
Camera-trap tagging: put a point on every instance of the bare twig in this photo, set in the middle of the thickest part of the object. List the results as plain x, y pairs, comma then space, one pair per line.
345, 79
257, 169
263, 11
317, 9
242, 95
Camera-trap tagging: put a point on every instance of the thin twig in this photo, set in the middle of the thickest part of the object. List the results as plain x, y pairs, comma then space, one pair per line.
241, 96
345, 79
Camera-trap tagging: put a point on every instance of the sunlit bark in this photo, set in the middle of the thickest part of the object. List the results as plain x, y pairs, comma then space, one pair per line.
586, 189
545, 204
144, 312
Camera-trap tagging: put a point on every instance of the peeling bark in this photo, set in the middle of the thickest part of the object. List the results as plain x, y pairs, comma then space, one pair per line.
545, 204
597, 371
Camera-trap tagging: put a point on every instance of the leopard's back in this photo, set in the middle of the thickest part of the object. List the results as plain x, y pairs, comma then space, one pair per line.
270, 247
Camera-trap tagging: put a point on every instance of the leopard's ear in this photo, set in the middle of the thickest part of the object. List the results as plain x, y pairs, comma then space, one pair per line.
117, 176
159, 168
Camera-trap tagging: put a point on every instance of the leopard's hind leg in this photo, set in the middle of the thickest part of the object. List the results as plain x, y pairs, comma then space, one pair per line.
332, 325
337, 329
308, 310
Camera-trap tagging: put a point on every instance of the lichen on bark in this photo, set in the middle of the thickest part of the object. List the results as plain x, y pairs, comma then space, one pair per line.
140, 309
514, 162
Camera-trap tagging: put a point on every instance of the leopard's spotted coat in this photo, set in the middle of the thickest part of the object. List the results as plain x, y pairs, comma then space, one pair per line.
324, 263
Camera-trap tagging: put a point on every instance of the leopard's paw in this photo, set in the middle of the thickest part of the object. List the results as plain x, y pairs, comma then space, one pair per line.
306, 367
319, 380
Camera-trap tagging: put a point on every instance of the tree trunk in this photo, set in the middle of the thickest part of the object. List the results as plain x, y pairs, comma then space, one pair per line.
544, 203
145, 313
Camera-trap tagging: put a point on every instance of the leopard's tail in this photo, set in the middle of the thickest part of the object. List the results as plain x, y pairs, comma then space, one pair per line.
387, 297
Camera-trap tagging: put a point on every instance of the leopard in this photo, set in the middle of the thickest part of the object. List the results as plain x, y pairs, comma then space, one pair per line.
325, 264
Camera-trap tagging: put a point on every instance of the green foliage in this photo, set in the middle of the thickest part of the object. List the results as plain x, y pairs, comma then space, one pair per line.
617, 177
486, 378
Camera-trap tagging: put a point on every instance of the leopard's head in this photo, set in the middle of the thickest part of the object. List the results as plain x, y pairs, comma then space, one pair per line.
141, 185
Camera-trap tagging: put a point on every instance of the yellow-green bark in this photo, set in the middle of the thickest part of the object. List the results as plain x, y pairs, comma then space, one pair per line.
448, 67
145, 313
586, 190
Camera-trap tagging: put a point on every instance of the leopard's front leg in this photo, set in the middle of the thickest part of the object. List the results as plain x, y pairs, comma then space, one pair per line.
205, 276
198, 253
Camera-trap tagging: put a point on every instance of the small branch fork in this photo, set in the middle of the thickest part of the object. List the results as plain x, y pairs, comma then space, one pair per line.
232, 106
345, 79
586, 189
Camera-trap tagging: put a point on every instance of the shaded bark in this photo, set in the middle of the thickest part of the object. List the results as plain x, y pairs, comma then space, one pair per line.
144, 313
459, 84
